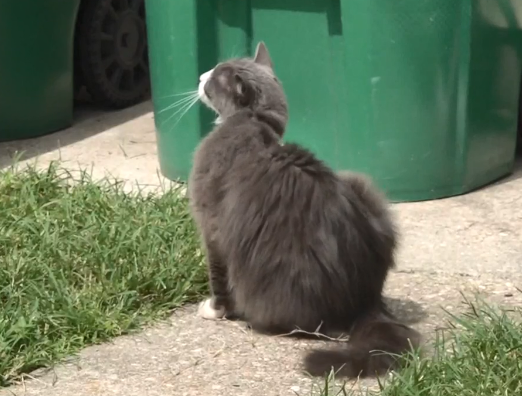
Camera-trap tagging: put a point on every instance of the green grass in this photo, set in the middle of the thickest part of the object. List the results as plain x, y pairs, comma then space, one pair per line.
480, 354
83, 262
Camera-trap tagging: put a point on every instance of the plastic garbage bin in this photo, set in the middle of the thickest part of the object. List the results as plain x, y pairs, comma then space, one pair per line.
36, 66
420, 94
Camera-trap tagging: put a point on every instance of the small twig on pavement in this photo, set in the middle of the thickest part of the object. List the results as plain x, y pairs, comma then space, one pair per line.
33, 379
199, 361
316, 333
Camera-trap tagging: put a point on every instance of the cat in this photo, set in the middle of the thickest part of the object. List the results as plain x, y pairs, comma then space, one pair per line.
290, 243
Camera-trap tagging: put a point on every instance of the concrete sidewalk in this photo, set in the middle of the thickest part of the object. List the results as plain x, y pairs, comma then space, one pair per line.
469, 243
120, 144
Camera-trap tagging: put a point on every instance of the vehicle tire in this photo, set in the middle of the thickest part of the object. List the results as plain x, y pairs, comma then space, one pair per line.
111, 54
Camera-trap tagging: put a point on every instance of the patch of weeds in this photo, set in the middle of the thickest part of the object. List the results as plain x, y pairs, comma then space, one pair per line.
83, 261
480, 354
331, 387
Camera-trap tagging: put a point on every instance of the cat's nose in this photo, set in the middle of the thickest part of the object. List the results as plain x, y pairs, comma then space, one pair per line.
205, 76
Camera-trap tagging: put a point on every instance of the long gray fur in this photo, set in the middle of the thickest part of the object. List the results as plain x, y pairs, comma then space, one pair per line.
290, 243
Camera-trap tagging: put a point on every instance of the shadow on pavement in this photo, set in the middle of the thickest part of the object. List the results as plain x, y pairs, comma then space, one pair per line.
516, 174
407, 311
88, 121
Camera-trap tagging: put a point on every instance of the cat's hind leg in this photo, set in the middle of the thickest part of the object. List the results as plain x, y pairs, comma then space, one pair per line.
376, 209
363, 186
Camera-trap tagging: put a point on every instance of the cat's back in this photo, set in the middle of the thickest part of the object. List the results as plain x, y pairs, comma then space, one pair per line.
282, 201
222, 154
227, 143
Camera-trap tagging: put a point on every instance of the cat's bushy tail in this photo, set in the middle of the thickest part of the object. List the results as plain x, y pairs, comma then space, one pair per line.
375, 342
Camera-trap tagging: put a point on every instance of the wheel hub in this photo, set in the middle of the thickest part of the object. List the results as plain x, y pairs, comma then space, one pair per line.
130, 41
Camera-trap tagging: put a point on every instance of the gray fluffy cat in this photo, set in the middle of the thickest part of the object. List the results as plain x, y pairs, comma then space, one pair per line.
290, 243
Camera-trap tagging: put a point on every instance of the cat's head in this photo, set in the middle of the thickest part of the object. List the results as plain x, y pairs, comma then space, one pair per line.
244, 83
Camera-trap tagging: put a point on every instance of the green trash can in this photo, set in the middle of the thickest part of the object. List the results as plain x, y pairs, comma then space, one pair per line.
420, 94
36, 66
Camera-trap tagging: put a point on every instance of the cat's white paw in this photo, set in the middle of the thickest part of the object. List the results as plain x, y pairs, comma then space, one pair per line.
206, 311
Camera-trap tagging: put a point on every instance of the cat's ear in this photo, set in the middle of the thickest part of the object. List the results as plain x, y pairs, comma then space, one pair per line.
262, 56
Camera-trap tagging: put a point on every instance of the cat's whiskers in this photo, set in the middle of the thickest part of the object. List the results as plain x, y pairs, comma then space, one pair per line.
182, 110
186, 109
179, 94
189, 96
175, 105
